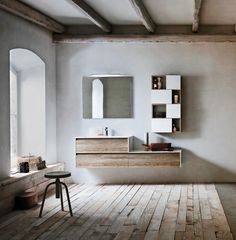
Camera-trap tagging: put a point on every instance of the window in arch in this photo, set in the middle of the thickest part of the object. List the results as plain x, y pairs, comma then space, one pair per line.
27, 105
13, 116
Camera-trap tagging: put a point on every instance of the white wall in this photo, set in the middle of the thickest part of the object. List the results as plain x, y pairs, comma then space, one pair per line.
31, 99
18, 33
209, 106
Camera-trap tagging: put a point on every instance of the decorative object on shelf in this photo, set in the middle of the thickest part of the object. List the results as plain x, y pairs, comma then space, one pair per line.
166, 104
32, 161
159, 83
41, 165
174, 128
154, 83
111, 132
99, 132
24, 167
176, 98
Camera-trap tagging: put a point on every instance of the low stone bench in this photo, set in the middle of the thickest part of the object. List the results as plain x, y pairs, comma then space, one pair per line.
20, 182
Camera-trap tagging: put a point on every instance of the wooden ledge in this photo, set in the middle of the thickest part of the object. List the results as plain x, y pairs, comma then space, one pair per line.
19, 176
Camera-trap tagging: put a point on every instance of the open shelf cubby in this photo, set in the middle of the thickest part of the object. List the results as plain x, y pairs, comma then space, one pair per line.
176, 96
155, 80
177, 124
159, 111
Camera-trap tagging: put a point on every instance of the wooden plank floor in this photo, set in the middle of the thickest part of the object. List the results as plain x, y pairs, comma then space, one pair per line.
120, 212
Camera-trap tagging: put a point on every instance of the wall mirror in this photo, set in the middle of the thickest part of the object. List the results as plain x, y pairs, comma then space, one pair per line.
107, 96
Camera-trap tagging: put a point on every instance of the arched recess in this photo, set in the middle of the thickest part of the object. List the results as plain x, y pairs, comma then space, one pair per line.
27, 104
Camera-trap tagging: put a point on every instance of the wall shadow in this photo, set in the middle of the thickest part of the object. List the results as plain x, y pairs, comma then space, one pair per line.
194, 169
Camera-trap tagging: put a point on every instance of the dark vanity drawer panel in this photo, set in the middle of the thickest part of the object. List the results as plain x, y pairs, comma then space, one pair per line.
102, 145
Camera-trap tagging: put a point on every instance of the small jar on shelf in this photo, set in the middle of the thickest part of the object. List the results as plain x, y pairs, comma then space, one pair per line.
174, 128
176, 98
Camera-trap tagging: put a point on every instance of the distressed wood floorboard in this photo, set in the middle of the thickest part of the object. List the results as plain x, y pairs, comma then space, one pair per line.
124, 212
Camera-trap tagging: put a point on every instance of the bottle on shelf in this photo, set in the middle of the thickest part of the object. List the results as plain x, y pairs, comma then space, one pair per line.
174, 128
159, 83
146, 138
154, 83
106, 131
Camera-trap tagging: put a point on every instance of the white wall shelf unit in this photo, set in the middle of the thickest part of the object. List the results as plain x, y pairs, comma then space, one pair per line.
166, 103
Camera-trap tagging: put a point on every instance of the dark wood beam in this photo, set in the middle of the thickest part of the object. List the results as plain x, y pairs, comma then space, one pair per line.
162, 29
144, 38
197, 7
32, 15
93, 15
144, 15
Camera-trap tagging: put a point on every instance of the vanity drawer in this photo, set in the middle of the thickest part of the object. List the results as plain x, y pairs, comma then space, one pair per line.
171, 159
129, 160
111, 160
102, 145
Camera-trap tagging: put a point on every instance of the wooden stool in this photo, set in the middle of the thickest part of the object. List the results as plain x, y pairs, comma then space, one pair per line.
57, 175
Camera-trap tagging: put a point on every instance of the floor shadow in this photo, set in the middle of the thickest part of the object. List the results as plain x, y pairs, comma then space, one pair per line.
227, 195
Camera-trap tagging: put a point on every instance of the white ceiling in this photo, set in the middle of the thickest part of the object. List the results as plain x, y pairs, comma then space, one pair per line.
119, 12
218, 12
170, 12
116, 11
64, 11
22, 59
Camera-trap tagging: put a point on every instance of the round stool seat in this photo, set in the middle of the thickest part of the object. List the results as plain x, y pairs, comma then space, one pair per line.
57, 174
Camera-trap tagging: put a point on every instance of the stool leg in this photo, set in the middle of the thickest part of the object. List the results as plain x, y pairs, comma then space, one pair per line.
44, 196
68, 198
62, 207
58, 187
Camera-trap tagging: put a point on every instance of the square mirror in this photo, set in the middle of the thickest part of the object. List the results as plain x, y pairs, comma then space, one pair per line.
107, 96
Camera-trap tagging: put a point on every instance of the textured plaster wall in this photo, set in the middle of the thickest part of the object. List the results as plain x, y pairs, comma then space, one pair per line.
209, 106
18, 33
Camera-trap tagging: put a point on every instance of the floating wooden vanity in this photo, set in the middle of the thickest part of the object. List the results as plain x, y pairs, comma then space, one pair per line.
115, 152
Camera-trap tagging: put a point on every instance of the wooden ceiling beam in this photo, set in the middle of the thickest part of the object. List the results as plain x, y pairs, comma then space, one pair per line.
196, 14
144, 15
22, 10
93, 16
144, 38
